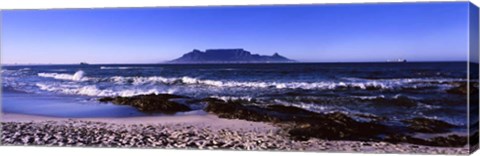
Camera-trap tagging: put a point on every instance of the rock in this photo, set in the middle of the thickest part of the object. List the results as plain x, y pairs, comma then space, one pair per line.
461, 88
402, 101
299, 123
449, 141
400, 138
372, 117
150, 103
235, 110
336, 126
425, 125
271, 113
289, 110
106, 99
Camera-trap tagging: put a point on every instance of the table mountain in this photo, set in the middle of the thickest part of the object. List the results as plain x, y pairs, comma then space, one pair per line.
228, 56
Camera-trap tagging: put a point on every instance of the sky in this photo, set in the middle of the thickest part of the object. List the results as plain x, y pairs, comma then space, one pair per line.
309, 33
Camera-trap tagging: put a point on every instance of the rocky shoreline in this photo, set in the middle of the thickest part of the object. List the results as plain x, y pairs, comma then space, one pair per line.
301, 124
78, 133
290, 128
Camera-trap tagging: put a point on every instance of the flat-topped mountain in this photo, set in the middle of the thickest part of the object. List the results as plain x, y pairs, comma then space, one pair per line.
228, 56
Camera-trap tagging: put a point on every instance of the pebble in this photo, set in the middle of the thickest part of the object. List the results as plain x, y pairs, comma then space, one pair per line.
98, 134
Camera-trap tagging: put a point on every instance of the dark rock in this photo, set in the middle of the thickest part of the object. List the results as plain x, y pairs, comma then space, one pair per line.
150, 103
425, 125
235, 110
273, 113
372, 117
400, 138
461, 88
302, 124
106, 99
336, 126
448, 141
299, 123
402, 101
474, 87
289, 110
474, 139
373, 87
211, 100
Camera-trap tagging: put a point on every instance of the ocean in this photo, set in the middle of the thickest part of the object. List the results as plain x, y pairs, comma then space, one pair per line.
396, 91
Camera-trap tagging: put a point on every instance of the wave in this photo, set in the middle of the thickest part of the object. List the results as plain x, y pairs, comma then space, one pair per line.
408, 80
347, 83
60, 70
362, 85
318, 108
264, 101
249, 84
233, 98
92, 90
77, 76
123, 68
373, 97
129, 86
4, 71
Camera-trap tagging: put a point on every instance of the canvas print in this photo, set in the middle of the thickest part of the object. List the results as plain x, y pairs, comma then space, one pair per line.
374, 77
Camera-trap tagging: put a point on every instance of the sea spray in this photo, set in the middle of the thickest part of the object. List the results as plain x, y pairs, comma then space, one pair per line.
77, 76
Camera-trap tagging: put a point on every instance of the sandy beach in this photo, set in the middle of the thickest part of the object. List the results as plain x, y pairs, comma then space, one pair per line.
182, 132
210, 121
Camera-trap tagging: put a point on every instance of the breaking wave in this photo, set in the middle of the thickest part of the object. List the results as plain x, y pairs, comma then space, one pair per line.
78, 76
92, 90
80, 84
233, 98
364, 85
123, 68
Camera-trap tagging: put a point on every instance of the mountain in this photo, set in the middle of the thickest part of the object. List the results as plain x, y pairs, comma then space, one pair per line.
228, 56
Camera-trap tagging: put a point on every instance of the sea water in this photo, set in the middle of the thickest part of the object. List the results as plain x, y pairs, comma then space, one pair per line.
394, 90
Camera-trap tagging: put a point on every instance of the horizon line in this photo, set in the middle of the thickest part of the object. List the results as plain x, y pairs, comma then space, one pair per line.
193, 63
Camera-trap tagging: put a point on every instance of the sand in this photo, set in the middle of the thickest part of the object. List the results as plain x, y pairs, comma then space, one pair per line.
180, 132
211, 121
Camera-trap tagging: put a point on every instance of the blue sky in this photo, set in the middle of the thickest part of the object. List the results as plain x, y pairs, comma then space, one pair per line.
318, 33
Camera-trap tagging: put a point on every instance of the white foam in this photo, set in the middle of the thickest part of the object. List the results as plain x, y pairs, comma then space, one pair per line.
313, 107
364, 84
370, 97
5, 71
122, 68
92, 90
77, 76
228, 98
129, 86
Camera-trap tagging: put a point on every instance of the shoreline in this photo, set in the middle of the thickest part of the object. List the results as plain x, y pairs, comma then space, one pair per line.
181, 132
208, 120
